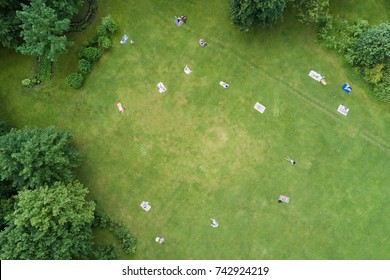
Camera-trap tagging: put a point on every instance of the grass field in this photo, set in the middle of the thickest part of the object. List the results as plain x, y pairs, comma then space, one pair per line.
199, 151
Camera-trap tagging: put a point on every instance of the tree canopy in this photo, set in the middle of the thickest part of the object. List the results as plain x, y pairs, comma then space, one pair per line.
56, 13
246, 14
373, 46
48, 223
42, 31
30, 158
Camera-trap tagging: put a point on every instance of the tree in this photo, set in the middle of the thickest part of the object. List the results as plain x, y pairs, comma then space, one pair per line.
30, 158
3, 128
249, 13
9, 29
42, 31
9, 22
65, 9
311, 10
373, 46
49, 223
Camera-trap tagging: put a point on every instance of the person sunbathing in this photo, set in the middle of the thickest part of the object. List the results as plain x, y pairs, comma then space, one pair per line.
183, 19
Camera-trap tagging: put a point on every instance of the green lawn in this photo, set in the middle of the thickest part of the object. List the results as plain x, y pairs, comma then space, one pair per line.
199, 151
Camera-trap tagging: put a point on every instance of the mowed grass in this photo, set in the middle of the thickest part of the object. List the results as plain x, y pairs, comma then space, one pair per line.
199, 151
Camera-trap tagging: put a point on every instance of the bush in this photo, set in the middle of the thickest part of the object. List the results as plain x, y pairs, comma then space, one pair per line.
103, 252
128, 241
44, 70
104, 42
102, 31
91, 54
27, 83
93, 42
84, 66
382, 91
109, 24
75, 80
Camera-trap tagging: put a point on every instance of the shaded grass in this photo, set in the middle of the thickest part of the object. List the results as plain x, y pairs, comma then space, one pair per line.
199, 151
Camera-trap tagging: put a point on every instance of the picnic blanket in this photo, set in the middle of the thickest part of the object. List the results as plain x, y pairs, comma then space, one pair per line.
343, 110
283, 198
346, 87
124, 39
259, 107
187, 70
161, 88
145, 205
318, 77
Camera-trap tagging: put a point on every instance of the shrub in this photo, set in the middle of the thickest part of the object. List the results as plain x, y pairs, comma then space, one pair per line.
91, 54
84, 66
109, 24
75, 80
104, 42
382, 92
27, 83
93, 42
103, 252
44, 69
102, 30
127, 240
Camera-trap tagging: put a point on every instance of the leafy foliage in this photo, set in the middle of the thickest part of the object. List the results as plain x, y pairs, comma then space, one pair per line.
128, 241
104, 42
109, 24
27, 83
6, 208
42, 31
9, 29
31, 158
48, 223
311, 10
373, 46
341, 34
92, 51
65, 9
75, 80
367, 48
3, 127
84, 66
246, 14
91, 54
43, 71
103, 252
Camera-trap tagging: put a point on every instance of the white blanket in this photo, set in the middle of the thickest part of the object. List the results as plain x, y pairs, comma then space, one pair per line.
343, 110
316, 76
259, 107
187, 70
145, 205
161, 88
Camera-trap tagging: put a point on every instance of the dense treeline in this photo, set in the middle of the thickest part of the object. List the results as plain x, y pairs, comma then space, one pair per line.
44, 213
